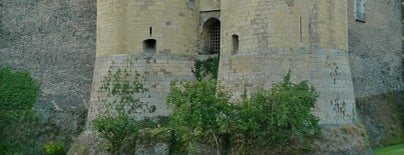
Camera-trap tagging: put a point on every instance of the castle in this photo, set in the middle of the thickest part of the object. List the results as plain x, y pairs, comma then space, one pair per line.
349, 50
257, 42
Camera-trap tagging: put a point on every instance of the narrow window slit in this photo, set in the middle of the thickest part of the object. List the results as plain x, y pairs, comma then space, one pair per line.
300, 26
235, 42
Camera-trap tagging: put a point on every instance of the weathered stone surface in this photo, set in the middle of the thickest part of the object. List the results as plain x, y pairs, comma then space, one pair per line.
155, 72
375, 48
348, 139
55, 41
381, 116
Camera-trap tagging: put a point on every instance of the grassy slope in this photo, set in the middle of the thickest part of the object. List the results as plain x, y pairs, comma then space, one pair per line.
391, 150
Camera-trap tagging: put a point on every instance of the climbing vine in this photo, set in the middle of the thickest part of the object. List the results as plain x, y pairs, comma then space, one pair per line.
206, 69
121, 85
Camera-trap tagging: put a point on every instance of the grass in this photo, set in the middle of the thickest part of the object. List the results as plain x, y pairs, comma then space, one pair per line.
391, 150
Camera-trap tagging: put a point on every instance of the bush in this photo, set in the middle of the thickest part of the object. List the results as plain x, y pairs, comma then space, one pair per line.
202, 114
199, 114
268, 120
7, 149
123, 133
18, 90
118, 130
278, 117
206, 69
18, 93
54, 148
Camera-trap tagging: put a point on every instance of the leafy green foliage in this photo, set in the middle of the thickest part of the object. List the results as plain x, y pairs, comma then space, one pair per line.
54, 148
123, 132
6, 149
118, 130
202, 114
18, 121
207, 69
18, 90
272, 118
277, 117
199, 114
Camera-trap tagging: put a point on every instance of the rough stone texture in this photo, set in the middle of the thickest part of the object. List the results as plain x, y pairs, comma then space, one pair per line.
55, 41
209, 5
381, 116
375, 48
348, 139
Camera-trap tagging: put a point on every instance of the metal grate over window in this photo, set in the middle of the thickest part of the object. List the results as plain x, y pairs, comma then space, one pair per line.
215, 38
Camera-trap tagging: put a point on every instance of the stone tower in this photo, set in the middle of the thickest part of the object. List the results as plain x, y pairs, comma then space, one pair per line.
261, 40
156, 39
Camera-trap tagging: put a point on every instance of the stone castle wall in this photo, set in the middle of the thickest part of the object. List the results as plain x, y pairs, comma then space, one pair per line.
375, 48
55, 41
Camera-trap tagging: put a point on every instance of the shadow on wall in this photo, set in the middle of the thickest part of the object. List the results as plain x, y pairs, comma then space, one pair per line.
383, 117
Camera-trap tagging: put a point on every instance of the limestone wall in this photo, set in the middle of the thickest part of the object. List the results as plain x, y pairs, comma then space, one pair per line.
209, 5
156, 73
307, 37
122, 27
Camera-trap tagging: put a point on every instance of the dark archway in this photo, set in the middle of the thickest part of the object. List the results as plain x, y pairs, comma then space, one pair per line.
211, 36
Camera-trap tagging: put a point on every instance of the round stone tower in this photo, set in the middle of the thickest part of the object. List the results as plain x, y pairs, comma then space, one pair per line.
154, 41
261, 40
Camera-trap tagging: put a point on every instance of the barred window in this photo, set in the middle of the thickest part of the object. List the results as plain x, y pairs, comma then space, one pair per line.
210, 37
215, 38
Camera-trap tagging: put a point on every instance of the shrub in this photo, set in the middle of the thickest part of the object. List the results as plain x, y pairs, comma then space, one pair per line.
18, 121
277, 117
202, 114
206, 69
123, 133
199, 114
54, 148
18, 90
118, 130
7, 149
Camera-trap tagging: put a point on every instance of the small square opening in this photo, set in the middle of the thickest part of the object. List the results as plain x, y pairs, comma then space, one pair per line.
149, 46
